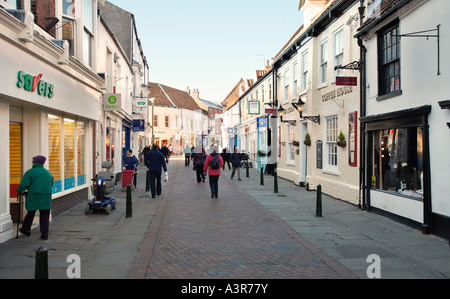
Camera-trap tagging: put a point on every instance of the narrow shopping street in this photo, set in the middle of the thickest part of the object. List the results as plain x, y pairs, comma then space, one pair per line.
249, 232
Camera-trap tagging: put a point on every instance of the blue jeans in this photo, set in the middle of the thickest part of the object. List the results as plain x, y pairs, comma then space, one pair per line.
214, 184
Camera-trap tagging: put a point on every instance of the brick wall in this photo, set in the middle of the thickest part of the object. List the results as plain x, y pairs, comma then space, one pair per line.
43, 9
69, 201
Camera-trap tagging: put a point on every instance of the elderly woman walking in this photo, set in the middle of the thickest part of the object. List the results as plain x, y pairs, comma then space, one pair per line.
38, 181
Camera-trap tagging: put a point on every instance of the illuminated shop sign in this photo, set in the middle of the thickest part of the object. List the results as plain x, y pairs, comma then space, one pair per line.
35, 84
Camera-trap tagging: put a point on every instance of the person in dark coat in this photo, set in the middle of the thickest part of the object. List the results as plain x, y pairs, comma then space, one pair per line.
155, 161
39, 182
130, 162
165, 152
226, 158
236, 159
199, 158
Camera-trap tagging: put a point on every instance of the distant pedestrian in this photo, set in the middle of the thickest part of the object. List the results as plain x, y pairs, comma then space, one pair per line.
187, 155
236, 159
226, 158
38, 181
165, 152
214, 162
199, 158
144, 152
155, 161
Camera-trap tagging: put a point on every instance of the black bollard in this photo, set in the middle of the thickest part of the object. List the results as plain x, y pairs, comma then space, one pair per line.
129, 212
41, 266
319, 201
147, 181
262, 177
247, 170
275, 181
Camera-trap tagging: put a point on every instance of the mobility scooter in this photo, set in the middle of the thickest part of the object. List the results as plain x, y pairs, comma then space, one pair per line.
103, 184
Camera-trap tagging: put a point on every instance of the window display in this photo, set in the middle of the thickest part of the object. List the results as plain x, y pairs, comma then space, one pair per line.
397, 161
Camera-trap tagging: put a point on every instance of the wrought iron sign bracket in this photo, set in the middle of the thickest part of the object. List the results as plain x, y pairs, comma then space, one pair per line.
314, 119
354, 66
423, 34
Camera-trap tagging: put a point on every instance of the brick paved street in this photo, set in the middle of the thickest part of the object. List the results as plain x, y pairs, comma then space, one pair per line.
195, 236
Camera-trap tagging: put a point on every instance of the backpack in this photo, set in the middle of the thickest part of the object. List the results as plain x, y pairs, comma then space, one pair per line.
215, 162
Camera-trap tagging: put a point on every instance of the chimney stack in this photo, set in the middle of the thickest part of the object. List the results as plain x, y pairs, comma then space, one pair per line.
188, 91
196, 94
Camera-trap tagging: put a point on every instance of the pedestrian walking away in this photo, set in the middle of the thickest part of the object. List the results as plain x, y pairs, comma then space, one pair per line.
144, 152
130, 162
226, 158
199, 158
236, 159
213, 165
165, 152
187, 155
38, 183
155, 162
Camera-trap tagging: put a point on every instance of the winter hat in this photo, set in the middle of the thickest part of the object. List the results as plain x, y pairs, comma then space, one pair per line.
39, 159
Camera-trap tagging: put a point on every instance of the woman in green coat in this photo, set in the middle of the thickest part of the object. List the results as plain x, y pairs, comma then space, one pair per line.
38, 181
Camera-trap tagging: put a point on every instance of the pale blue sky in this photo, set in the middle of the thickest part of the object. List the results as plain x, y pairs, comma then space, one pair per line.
210, 44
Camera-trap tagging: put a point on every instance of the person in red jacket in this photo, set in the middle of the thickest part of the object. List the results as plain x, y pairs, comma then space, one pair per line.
214, 170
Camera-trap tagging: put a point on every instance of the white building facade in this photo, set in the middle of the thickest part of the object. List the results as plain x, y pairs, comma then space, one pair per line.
407, 111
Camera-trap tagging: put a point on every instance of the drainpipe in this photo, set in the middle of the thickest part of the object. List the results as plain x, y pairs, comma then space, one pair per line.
362, 156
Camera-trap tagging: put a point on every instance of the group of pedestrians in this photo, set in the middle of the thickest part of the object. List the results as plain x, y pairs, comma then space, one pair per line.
212, 164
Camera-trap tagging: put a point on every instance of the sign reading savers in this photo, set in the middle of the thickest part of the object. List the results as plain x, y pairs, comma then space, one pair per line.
34, 83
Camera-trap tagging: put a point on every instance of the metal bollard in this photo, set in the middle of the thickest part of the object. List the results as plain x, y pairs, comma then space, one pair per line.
147, 181
275, 181
41, 266
262, 177
319, 201
246, 175
129, 212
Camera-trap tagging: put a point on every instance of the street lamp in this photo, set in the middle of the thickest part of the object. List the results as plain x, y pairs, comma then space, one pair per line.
281, 114
153, 118
300, 106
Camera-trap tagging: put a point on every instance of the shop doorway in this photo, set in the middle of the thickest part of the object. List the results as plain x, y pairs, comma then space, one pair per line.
15, 168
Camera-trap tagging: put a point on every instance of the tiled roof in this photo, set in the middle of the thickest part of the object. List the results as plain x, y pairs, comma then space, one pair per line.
169, 96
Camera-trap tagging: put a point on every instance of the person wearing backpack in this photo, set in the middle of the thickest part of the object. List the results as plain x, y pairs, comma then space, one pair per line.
215, 163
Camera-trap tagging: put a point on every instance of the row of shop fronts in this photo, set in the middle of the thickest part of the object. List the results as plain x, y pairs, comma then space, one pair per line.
54, 105
359, 106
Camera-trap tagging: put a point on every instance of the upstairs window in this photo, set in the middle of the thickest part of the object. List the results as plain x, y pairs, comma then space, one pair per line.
389, 61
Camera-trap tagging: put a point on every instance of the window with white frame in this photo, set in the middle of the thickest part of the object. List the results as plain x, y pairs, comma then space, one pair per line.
290, 157
88, 34
286, 85
323, 62
304, 71
262, 93
295, 81
331, 138
339, 50
68, 22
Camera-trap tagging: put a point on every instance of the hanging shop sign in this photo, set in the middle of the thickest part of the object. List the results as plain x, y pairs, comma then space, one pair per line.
35, 84
346, 81
138, 125
112, 101
253, 107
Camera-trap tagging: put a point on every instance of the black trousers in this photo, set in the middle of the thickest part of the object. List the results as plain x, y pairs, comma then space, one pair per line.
200, 173
155, 183
44, 221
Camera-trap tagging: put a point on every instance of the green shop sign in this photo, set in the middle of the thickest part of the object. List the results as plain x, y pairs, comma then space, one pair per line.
112, 101
34, 83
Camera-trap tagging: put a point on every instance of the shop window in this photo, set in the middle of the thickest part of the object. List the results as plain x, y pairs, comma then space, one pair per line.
15, 157
397, 161
54, 150
69, 154
81, 171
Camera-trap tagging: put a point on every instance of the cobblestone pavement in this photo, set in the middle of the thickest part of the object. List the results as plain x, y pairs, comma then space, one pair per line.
229, 237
